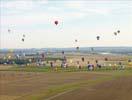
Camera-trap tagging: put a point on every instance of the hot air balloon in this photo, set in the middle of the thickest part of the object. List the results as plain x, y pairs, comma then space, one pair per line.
75, 40
17, 56
65, 59
118, 31
56, 22
129, 60
98, 37
120, 63
30, 60
110, 64
96, 61
82, 59
115, 33
23, 39
9, 57
9, 30
71, 61
106, 59
23, 35
77, 48
63, 52
43, 55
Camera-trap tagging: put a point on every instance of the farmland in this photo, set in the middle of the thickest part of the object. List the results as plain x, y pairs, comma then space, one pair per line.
63, 85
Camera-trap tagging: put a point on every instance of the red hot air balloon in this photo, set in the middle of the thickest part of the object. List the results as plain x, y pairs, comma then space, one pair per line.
56, 22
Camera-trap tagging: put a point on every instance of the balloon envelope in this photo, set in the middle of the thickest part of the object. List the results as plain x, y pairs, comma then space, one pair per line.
118, 31
83, 59
106, 59
56, 22
115, 33
9, 30
62, 52
43, 55
23, 35
96, 61
77, 48
23, 39
98, 37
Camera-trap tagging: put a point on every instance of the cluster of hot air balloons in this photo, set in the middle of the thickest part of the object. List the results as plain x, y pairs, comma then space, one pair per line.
116, 33
56, 22
98, 38
77, 47
23, 37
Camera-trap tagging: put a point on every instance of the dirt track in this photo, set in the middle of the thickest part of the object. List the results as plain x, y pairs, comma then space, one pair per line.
120, 89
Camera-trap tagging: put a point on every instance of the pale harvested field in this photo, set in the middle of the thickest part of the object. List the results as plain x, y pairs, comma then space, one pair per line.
120, 89
15, 85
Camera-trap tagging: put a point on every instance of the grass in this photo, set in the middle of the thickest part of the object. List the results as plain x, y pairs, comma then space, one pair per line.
59, 69
51, 91
27, 69
42, 95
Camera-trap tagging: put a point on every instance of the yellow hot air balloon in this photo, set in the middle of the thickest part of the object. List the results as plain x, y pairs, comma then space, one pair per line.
30, 60
130, 64
9, 57
110, 65
10, 53
115, 64
71, 61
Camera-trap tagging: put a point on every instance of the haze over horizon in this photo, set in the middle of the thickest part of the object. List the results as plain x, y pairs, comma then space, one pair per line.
77, 19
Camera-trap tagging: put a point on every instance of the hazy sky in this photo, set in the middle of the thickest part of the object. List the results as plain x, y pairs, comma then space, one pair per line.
82, 20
